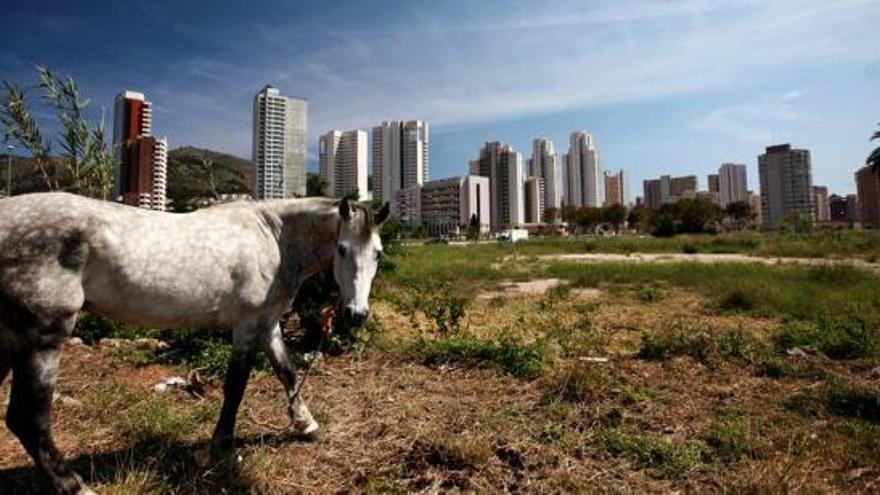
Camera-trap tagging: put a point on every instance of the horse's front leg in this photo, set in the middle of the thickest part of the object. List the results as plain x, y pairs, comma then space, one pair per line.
303, 423
240, 363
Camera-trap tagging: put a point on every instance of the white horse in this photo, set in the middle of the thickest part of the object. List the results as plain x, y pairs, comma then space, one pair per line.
235, 266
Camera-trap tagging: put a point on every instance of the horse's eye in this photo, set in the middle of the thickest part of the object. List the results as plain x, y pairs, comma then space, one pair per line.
342, 251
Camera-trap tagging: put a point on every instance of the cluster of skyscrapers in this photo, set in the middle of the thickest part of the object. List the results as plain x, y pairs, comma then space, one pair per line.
501, 189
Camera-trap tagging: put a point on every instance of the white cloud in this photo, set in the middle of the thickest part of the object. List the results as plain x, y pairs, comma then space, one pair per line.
759, 122
517, 63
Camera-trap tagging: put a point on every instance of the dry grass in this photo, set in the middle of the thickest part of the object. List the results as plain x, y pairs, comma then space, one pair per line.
729, 412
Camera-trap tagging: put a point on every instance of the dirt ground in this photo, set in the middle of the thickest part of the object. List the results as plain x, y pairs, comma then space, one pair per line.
393, 424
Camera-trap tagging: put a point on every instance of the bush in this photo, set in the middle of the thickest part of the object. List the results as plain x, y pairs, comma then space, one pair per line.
690, 249
445, 307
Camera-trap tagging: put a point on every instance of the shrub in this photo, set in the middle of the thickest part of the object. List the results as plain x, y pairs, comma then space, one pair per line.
689, 248
445, 307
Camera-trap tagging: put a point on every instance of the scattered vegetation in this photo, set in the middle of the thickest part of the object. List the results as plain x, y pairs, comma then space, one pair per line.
664, 457
506, 353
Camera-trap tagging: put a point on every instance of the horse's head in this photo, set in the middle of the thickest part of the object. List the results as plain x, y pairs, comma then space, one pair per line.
358, 249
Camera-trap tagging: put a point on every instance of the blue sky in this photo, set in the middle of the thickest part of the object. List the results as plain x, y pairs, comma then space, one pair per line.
665, 86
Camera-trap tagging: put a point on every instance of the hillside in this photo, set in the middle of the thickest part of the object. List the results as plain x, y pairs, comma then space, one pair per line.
201, 173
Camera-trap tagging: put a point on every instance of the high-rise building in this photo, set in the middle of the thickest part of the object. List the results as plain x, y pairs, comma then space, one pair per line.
400, 156
668, 189
447, 204
616, 188
713, 183
533, 199
732, 184
407, 205
563, 182
545, 165
868, 186
503, 166
279, 144
843, 208
786, 184
821, 206
584, 173
680, 187
754, 201
342, 158
141, 161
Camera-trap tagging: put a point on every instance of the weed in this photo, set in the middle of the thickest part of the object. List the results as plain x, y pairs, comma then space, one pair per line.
449, 451
852, 400
776, 367
445, 307
737, 344
737, 299
507, 353
690, 249
650, 293
675, 341
664, 457
732, 439
848, 338
578, 382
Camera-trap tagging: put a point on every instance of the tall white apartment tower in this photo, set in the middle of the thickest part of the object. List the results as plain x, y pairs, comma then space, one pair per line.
279, 144
342, 159
504, 168
732, 184
584, 174
545, 165
400, 157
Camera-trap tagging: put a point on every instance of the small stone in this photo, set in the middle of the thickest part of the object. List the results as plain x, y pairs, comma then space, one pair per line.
796, 352
151, 344
110, 343
160, 388
75, 341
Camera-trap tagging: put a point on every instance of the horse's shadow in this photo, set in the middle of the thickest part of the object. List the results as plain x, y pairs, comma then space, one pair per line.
175, 464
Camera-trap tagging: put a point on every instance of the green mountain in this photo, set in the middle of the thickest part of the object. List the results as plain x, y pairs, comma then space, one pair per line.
196, 173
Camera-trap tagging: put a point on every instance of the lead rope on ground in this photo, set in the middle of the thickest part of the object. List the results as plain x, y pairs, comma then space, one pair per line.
327, 315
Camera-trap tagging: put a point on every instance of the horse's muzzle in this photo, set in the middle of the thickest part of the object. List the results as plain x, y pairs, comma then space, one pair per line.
355, 318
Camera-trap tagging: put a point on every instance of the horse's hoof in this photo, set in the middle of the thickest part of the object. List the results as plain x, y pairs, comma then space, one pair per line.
310, 433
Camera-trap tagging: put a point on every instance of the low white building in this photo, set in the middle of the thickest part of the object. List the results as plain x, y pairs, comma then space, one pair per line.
449, 204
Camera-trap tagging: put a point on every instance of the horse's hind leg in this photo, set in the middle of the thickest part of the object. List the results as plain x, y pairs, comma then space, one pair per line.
29, 416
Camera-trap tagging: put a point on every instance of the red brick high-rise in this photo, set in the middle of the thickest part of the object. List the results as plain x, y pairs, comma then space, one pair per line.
868, 185
141, 159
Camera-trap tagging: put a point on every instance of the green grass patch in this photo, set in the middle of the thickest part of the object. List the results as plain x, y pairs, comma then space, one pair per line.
664, 457
506, 353
844, 338
733, 439
675, 340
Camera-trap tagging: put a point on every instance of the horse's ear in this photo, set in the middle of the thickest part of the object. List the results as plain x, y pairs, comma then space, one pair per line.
345, 209
382, 214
